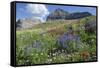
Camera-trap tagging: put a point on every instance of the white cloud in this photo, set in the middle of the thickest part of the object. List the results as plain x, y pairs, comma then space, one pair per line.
38, 10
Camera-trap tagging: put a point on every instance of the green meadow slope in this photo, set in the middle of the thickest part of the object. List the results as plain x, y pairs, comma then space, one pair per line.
38, 45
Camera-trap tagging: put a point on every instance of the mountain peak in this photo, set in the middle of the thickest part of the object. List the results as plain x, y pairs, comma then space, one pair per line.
62, 14
59, 9
57, 14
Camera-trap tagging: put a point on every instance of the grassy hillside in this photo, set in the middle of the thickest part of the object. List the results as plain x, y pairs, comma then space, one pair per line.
43, 42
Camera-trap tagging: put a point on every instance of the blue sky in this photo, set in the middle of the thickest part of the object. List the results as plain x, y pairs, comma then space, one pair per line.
25, 10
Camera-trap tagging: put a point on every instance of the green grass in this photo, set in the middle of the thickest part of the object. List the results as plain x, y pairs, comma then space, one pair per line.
50, 51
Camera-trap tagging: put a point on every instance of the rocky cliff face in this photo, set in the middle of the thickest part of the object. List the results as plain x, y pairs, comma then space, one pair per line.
61, 14
26, 23
78, 15
57, 14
